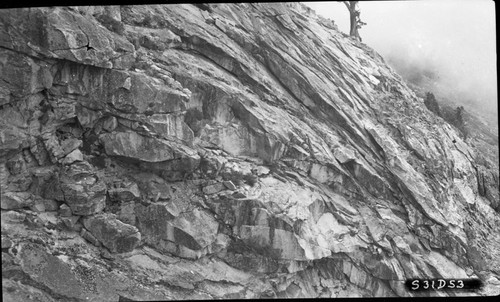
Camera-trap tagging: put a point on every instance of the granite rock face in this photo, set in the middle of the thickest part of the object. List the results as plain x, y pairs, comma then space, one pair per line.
225, 151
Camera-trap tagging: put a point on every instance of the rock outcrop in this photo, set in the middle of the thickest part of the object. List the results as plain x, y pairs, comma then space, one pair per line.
225, 151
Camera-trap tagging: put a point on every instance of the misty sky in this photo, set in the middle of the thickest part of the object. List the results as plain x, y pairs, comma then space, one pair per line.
457, 38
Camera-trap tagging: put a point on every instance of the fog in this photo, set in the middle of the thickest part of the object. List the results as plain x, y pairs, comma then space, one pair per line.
448, 47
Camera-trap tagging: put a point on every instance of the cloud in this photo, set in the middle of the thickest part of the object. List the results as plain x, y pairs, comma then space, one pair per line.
452, 40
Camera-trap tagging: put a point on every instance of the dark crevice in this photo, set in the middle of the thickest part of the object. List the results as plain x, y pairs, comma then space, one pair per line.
380, 151
87, 36
74, 48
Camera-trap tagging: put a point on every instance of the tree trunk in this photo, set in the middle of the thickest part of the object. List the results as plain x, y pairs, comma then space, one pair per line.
354, 28
353, 13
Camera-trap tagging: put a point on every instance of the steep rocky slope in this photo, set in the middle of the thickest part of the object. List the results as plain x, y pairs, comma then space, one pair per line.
225, 151
479, 129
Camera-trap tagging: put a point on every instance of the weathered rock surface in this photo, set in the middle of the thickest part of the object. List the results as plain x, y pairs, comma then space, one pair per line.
83, 190
182, 232
16, 200
225, 151
117, 236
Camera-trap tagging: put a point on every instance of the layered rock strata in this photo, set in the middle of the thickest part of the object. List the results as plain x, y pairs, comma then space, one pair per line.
225, 151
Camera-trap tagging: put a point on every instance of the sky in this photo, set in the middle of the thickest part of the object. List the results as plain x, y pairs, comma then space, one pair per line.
456, 39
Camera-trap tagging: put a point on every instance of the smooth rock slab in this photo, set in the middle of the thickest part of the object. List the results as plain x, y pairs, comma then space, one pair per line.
117, 236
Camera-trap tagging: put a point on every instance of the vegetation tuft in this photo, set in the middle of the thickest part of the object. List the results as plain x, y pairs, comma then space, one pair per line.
432, 104
454, 117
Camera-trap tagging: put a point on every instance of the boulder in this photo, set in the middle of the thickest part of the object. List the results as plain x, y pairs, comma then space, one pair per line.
83, 191
117, 236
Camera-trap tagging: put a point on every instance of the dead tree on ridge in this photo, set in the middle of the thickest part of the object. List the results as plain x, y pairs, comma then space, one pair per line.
355, 19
